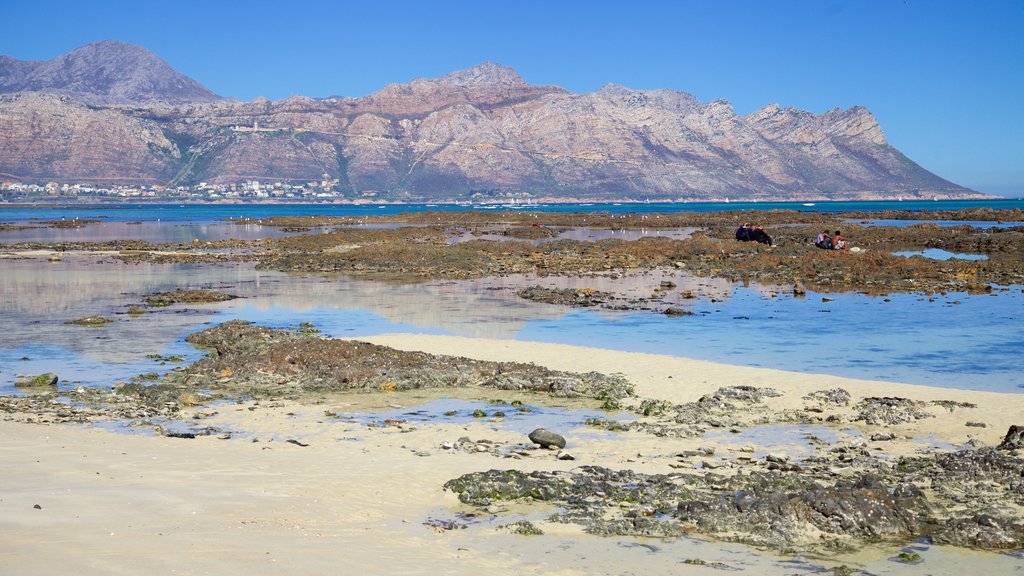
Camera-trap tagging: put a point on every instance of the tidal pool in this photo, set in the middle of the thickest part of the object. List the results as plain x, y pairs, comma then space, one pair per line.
956, 340
940, 254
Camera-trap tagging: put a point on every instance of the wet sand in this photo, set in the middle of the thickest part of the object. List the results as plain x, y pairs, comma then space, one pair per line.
356, 498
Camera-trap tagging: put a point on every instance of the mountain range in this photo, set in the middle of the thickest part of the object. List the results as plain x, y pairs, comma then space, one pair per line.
114, 113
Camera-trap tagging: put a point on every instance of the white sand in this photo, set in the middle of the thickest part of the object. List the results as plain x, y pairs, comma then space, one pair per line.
355, 500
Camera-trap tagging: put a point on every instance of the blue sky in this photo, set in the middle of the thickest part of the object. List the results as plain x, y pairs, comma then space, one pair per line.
944, 78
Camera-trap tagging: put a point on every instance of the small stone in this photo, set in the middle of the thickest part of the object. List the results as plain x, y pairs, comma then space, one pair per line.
481, 448
547, 438
883, 437
563, 455
447, 445
777, 458
37, 507
976, 425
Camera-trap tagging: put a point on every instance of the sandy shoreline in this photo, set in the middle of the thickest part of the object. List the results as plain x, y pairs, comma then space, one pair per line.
355, 499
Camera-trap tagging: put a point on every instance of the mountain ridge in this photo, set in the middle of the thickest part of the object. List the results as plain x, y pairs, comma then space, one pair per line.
106, 72
478, 132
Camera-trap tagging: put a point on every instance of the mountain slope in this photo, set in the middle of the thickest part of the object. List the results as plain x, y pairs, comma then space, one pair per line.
106, 72
480, 132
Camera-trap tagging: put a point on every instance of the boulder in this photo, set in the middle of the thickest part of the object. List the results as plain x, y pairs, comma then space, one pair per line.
47, 380
1014, 438
546, 438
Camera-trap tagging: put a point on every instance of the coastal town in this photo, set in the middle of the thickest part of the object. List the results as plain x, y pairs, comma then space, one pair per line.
323, 190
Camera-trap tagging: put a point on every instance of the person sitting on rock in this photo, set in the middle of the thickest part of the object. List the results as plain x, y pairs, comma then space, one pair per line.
743, 232
824, 240
838, 242
757, 234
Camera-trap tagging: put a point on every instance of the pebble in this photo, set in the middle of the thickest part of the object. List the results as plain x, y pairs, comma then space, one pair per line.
563, 455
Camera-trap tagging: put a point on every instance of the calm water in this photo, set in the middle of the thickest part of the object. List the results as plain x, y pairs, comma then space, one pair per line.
961, 341
198, 214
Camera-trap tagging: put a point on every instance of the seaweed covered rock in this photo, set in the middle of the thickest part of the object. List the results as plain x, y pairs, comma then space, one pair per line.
263, 361
982, 531
891, 410
91, 321
41, 381
781, 509
187, 297
566, 296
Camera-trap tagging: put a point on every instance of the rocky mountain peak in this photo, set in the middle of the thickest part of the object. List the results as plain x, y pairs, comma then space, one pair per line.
105, 72
484, 74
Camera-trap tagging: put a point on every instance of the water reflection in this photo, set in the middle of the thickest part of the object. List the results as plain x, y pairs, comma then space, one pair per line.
970, 342
940, 254
147, 231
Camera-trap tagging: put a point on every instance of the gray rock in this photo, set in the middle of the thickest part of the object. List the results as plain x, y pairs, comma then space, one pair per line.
546, 438
47, 380
563, 455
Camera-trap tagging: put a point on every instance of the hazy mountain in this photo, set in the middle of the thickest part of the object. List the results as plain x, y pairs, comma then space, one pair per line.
105, 72
481, 131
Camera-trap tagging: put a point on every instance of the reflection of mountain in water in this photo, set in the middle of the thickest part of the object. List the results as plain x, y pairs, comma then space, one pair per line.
40, 297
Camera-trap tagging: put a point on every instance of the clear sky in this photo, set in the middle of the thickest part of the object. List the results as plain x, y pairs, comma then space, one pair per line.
944, 78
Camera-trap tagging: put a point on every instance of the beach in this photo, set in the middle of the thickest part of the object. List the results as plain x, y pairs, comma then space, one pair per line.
361, 499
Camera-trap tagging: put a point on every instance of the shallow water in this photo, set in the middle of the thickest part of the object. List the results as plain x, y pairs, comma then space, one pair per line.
943, 223
957, 340
798, 440
515, 419
178, 233
940, 254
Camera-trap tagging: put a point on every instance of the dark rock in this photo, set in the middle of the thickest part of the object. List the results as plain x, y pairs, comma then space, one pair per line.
566, 296
188, 297
1014, 438
891, 410
546, 438
830, 396
675, 312
982, 531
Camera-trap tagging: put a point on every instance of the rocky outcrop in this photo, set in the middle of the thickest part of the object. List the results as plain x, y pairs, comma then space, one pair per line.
477, 133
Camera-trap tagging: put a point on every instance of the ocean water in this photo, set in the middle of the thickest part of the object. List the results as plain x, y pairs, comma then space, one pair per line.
203, 213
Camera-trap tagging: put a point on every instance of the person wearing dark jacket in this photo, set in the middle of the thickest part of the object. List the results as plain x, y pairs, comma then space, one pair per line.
743, 232
757, 234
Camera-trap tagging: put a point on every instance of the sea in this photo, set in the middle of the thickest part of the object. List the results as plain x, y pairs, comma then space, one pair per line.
956, 340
